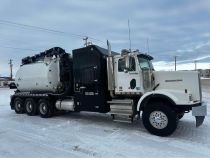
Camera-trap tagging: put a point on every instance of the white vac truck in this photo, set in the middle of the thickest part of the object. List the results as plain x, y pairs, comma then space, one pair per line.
98, 80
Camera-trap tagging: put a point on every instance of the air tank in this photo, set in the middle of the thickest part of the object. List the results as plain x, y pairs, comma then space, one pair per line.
42, 76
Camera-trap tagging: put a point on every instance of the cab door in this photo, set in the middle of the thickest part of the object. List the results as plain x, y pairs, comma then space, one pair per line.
127, 79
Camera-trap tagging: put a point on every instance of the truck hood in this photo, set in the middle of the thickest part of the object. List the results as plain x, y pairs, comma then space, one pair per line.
186, 81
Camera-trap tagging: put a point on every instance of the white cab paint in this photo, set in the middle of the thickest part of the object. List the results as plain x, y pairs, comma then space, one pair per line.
122, 79
182, 87
179, 80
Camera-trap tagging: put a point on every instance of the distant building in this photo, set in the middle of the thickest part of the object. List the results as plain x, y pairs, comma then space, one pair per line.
204, 73
5, 81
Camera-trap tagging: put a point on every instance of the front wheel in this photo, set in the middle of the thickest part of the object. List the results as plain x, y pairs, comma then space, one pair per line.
180, 115
45, 109
159, 119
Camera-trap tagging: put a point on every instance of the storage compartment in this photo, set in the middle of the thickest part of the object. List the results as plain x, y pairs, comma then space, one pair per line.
90, 76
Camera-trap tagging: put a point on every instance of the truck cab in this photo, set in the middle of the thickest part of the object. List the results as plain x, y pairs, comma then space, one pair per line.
133, 73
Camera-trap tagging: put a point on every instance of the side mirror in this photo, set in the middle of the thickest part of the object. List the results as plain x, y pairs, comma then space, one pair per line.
127, 62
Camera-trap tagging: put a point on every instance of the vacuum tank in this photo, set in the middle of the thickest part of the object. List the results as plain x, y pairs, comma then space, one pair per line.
49, 71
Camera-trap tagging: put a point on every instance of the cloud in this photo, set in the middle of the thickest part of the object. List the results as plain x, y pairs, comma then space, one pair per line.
206, 34
173, 27
170, 66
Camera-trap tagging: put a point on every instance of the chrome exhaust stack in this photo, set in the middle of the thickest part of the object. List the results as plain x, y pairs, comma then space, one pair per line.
110, 69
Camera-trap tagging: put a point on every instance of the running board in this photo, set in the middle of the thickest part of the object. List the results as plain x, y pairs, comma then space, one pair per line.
121, 106
122, 118
123, 121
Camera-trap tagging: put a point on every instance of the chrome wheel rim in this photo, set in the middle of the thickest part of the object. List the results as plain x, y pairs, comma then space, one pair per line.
158, 119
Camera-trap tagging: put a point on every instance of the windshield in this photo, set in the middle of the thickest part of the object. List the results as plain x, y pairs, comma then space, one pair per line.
145, 63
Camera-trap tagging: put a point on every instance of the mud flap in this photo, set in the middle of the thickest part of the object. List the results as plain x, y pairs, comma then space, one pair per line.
199, 120
199, 112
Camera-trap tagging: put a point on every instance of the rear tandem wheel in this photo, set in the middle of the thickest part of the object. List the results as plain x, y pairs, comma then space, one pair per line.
45, 109
30, 106
19, 105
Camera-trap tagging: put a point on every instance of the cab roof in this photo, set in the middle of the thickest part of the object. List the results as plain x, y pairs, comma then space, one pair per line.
147, 56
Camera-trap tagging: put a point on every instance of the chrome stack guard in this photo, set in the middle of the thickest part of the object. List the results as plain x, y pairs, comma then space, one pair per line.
199, 112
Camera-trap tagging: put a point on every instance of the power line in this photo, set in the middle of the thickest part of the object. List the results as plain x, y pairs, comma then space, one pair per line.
17, 48
15, 24
36, 28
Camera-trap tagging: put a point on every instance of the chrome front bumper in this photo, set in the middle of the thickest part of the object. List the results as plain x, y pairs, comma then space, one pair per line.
200, 112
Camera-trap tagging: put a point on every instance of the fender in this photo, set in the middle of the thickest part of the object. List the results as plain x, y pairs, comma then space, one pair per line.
157, 94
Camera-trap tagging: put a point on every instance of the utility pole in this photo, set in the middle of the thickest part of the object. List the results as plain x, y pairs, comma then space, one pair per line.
175, 61
11, 65
86, 41
195, 64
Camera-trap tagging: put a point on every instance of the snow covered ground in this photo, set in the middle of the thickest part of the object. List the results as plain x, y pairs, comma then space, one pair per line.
95, 135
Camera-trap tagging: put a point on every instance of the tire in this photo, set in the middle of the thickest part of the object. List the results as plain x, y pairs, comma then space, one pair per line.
180, 115
18, 105
30, 106
45, 109
159, 119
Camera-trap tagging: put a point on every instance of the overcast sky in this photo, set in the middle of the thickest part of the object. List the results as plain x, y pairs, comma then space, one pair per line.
173, 27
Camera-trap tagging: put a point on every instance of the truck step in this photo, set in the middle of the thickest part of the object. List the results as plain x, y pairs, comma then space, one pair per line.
121, 111
121, 107
122, 118
123, 121
121, 101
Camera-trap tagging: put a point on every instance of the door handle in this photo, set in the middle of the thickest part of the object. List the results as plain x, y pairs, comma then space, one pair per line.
82, 88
